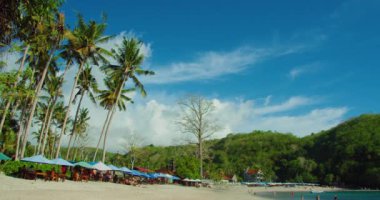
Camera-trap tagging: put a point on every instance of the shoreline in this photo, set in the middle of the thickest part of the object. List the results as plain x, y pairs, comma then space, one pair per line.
15, 188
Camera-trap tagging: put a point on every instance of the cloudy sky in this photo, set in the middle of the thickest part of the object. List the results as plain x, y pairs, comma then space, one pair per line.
289, 66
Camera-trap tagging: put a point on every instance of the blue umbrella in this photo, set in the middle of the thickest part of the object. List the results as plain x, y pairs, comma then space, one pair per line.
38, 159
60, 161
4, 157
114, 168
137, 173
84, 164
154, 175
126, 170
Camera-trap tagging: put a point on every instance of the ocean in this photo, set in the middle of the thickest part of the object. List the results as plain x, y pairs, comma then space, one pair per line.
341, 195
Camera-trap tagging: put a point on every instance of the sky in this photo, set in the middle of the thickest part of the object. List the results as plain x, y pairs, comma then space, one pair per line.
289, 66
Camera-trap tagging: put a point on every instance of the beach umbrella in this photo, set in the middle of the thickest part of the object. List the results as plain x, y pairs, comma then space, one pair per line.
138, 173
114, 168
125, 170
83, 164
4, 157
175, 178
101, 166
60, 161
92, 163
154, 175
38, 159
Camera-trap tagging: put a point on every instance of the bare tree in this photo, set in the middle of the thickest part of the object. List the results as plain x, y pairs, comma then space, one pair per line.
196, 120
133, 142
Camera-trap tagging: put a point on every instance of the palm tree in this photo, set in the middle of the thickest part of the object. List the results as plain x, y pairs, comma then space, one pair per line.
58, 117
107, 101
26, 92
86, 85
25, 17
83, 43
129, 58
50, 40
54, 88
82, 124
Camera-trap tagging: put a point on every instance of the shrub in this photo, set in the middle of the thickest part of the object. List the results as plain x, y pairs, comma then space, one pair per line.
11, 167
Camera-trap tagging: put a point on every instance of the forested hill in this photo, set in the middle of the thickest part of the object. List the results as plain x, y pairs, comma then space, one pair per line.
348, 154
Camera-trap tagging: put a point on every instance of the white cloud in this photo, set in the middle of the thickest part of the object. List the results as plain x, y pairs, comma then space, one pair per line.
117, 40
304, 69
295, 72
154, 120
291, 103
212, 64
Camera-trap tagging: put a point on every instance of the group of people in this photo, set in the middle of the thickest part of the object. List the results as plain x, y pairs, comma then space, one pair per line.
78, 173
83, 174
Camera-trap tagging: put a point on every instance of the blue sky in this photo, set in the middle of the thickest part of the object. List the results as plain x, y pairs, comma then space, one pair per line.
317, 58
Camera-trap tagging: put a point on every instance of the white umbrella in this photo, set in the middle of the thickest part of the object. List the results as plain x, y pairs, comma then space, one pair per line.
101, 166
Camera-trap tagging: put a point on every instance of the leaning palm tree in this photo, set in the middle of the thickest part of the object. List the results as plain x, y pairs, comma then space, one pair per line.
54, 88
28, 17
82, 124
58, 117
50, 40
129, 58
83, 42
87, 85
107, 100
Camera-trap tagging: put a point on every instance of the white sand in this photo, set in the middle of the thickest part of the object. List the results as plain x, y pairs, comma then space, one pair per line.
14, 188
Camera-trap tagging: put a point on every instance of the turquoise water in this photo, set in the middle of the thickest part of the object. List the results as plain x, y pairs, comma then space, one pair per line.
346, 195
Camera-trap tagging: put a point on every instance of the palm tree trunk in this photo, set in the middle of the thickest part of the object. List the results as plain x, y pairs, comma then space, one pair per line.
47, 127
75, 146
19, 133
14, 85
105, 133
74, 125
101, 135
35, 100
43, 126
68, 109
113, 111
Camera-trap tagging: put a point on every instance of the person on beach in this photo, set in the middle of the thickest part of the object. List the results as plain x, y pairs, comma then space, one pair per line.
63, 169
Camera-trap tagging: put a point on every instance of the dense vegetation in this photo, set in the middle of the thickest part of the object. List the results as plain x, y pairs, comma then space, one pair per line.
348, 154
32, 102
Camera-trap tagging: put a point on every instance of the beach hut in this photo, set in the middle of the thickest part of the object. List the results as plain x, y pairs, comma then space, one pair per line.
101, 166
60, 161
38, 159
4, 157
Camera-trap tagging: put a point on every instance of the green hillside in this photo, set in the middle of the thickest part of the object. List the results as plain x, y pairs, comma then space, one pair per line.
348, 154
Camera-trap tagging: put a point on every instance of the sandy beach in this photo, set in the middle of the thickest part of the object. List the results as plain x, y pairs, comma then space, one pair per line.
14, 188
